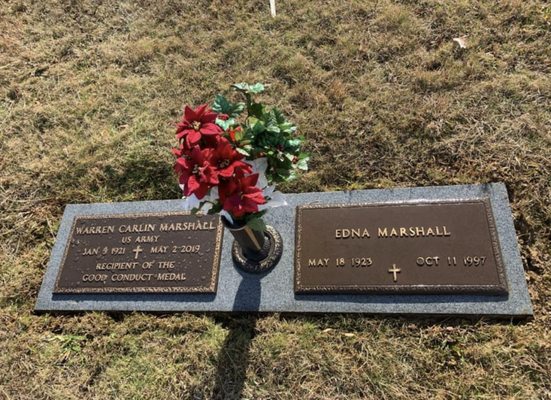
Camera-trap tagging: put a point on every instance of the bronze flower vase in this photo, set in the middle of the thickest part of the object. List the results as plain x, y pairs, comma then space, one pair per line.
254, 251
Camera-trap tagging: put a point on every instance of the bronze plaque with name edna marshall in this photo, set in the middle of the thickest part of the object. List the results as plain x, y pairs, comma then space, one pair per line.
422, 247
151, 253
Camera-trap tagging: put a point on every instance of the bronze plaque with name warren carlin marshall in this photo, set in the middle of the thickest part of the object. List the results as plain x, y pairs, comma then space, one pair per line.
423, 247
172, 252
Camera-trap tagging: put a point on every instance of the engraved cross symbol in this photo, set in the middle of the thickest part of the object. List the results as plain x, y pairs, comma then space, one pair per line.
137, 251
394, 271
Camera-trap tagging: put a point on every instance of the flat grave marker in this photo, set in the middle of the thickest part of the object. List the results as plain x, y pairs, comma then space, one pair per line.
149, 252
477, 230
413, 247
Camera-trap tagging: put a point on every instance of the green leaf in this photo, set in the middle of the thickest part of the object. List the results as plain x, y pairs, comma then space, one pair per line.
242, 151
256, 88
294, 143
257, 224
242, 87
303, 163
280, 118
256, 110
225, 125
258, 127
216, 208
239, 134
288, 127
224, 106
251, 89
273, 129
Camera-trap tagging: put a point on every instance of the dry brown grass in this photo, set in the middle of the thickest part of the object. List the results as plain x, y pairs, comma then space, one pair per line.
88, 91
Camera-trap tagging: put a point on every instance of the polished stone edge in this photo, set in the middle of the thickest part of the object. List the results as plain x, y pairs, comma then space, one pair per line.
273, 292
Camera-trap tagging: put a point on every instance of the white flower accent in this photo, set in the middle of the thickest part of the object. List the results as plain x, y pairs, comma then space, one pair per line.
213, 195
262, 181
205, 204
191, 202
268, 191
205, 207
277, 199
260, 165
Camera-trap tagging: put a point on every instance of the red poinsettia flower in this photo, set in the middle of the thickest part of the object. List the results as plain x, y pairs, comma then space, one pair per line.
227, 160
211, 141
197, 123
240, 195
196, 172
180, 151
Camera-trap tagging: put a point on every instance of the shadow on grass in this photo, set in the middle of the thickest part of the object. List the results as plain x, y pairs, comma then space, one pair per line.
135, 178
145, 178
233, 356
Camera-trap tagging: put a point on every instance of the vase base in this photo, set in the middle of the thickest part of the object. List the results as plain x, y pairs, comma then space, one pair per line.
266, 264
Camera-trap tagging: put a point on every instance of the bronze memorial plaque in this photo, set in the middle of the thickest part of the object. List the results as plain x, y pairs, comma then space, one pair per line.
150, 253
423, 247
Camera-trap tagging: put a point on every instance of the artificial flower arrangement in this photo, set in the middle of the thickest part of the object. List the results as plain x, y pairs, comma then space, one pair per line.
231, 155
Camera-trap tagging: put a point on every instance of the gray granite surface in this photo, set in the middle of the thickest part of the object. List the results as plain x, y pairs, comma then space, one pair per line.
273, 292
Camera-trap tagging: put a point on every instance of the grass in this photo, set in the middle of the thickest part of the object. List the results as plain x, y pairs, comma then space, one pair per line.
89, 92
